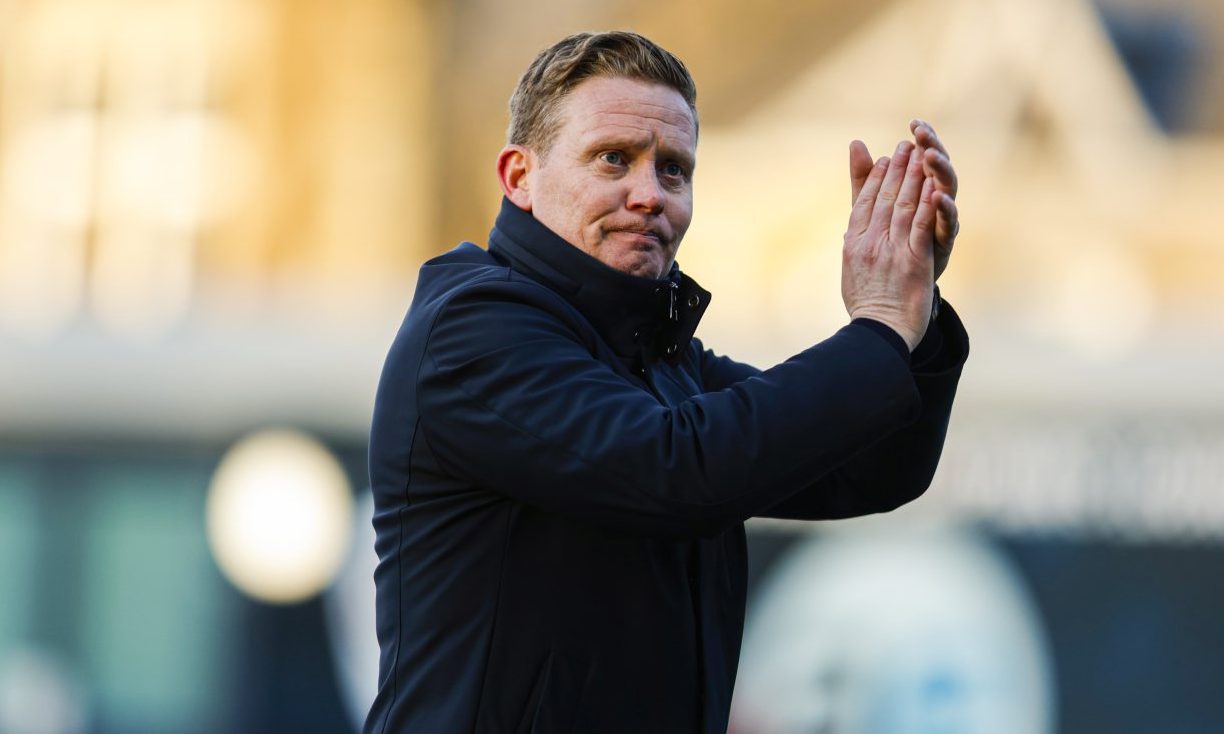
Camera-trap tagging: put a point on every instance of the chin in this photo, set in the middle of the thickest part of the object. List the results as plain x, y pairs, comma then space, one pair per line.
643, 263
642, 267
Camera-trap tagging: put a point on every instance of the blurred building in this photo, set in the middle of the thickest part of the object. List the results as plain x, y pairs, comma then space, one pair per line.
212, 213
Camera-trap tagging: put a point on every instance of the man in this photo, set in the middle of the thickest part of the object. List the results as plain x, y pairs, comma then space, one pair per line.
562, 471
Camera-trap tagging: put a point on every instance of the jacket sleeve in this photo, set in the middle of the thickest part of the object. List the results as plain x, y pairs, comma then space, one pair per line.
511, 399
900, 467
719, 372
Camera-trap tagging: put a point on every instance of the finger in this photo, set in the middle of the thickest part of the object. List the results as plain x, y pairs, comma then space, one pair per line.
860, 168
907, 199
947, 221
938, 165
891, 186
925, 135
860, 215
924, 220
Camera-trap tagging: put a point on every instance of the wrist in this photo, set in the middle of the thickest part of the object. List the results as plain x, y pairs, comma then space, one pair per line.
887, 333
911, 334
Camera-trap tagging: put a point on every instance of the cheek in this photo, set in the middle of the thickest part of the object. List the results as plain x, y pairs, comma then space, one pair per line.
680, 217
594, 205
601, 197
565, 207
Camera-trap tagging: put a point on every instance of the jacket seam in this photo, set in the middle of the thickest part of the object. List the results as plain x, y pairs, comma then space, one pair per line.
399, 584
416, 388
501, 574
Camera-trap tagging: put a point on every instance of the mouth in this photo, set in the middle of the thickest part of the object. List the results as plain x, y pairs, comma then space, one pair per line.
642, 237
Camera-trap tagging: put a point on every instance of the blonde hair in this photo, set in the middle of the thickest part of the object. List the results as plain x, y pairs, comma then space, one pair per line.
535, 104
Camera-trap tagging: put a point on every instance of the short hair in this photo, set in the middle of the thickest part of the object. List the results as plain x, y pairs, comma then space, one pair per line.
536, 101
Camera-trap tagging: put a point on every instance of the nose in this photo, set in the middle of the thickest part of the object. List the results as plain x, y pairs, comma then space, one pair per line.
646, 190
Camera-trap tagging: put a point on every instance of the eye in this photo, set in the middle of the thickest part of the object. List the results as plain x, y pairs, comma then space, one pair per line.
674, 170
612, 157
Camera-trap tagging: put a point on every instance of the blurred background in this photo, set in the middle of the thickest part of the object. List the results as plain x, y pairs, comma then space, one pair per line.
211, 217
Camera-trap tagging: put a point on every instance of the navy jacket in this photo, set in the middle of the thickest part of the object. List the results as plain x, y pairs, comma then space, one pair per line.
561, 474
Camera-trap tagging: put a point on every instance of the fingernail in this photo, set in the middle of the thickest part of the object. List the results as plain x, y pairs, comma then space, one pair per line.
883, 161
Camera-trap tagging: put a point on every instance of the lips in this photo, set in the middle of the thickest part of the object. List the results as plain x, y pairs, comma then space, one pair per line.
646, 236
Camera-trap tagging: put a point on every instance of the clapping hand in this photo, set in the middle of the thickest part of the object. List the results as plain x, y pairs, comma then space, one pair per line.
937, 164
888, 258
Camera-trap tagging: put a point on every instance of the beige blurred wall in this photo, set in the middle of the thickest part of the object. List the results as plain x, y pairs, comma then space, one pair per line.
211, 213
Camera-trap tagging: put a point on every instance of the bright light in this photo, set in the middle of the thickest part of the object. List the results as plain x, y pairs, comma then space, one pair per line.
39, 694
49, 168
45, 192
886, 628
279, 516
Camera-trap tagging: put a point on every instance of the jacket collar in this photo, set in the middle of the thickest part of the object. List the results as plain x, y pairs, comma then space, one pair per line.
636, 316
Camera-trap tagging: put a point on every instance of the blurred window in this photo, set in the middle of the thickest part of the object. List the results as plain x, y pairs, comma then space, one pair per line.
104, 571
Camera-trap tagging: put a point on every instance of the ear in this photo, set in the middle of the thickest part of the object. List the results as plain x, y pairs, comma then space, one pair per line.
515, 164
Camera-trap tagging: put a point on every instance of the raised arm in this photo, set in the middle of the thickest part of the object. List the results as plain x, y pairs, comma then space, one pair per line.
511, 399
900, 467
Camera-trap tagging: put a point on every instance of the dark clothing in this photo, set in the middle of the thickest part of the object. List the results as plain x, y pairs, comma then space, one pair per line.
561, 475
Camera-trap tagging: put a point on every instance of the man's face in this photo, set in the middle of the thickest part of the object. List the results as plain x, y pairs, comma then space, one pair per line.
617, 181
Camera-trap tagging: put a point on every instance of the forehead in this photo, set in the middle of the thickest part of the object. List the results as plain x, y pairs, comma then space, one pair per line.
616, 107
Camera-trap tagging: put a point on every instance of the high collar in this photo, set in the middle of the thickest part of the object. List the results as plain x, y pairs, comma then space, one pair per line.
638, 317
